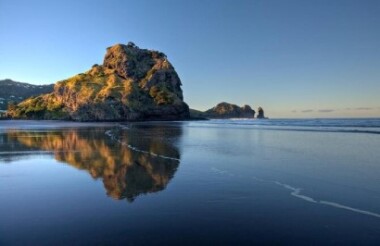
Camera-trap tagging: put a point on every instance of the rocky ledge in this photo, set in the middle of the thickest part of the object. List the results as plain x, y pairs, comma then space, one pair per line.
132, 84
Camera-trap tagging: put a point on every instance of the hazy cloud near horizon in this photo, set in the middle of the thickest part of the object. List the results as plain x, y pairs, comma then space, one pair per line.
364, 108
333, 110
326, 110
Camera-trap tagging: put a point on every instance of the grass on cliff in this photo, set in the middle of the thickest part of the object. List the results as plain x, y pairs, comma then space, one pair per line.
98, 85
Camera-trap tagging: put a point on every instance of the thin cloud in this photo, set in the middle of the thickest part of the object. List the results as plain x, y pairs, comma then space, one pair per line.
326, 110
333, 110
364, 108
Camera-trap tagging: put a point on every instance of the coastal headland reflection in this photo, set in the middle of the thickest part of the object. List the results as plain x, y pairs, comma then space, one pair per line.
130, 161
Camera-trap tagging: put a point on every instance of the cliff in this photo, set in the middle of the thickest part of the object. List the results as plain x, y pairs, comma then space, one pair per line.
15, 92
131, 84
226, 110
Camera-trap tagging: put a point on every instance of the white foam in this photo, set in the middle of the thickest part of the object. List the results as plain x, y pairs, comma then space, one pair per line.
112, 136
124, 127
360, 211
109, 133
222, 172
296, 193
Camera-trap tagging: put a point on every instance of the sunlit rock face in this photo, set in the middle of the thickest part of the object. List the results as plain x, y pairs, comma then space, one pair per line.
227, 110
132, 84
126, 173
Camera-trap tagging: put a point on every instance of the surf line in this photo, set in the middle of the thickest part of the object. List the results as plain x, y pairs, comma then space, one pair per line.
296, 192
112, 136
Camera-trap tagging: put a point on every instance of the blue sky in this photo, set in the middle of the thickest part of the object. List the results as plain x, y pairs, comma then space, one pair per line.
293, 58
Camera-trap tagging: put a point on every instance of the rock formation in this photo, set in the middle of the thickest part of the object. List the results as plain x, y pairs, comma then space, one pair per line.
132, 84
226, 110
260, 113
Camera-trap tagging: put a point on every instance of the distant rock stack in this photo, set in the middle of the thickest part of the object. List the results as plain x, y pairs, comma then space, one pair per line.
227, 110
248, 112
260, 113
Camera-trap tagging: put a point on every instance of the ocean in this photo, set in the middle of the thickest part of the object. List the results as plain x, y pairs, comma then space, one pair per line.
216, 182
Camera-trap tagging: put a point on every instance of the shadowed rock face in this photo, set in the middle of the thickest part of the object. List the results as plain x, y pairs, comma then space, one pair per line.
260, 114
126, 173
132, 84
227, 110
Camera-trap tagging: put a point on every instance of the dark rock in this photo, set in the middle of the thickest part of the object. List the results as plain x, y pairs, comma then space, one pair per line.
260, 113
226, 110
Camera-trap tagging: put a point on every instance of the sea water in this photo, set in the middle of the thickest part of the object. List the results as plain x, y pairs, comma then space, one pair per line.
219, 182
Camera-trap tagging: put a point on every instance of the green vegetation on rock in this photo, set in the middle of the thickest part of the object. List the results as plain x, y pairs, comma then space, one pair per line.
132, 84
228, 110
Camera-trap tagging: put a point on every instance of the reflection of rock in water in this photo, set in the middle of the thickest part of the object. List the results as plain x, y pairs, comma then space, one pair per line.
11, 150
140, 177
125, 173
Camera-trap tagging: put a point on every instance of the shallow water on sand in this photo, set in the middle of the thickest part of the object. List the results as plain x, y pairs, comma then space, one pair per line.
231, 182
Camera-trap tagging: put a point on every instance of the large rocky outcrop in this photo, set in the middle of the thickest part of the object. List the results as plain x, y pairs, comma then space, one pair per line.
132, 84
226, 110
